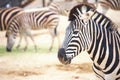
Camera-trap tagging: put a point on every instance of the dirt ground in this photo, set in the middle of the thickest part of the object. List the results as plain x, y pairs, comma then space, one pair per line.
43, 67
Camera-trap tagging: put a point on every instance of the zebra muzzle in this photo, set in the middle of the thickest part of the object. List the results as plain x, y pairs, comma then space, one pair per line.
8, 50
62, 57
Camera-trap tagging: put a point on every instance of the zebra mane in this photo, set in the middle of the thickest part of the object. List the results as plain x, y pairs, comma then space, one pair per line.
75, 8
112, 25
48, 7
74, 12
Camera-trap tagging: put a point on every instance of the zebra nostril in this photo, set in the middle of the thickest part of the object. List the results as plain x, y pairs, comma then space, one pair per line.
61, 53
62, 56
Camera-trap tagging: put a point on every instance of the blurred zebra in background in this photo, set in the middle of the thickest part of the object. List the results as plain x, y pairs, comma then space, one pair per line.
43, 18
7, 15
104, 5
92, 31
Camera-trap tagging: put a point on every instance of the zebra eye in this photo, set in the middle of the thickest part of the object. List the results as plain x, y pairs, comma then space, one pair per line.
87, 14
75, 32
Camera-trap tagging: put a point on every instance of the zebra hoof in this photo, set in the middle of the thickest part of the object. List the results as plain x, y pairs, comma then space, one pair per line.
17, 46
25, 49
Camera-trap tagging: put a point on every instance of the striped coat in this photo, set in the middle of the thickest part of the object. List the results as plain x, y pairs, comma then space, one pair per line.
46, 18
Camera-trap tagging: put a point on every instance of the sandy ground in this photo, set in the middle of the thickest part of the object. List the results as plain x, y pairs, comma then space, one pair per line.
43, 67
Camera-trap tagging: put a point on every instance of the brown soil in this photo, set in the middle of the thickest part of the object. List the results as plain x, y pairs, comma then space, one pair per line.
43, 67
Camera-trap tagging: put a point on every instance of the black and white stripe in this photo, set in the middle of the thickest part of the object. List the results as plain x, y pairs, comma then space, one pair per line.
7, 15
43, 18
92, 31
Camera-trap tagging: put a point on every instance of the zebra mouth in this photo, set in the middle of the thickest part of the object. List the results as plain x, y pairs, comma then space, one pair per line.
62, 57
64, 61
68, 61
8, 50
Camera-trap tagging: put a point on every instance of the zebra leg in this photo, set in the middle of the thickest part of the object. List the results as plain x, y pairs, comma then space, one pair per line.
19, 42
98, 73
25, 37
59, 42
51, 46
53, 38
53, 35
31, 37
27, 32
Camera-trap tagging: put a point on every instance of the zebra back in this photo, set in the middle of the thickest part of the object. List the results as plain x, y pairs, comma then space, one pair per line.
54, 6
35, 19
40, 18
7, 15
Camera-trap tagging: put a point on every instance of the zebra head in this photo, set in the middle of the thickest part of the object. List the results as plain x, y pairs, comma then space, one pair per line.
77, 37
11, 36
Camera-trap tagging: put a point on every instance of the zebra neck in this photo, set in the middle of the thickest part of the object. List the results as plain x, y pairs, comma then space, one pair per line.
98, 24
100, 27
14, 26
103, 22
93, 33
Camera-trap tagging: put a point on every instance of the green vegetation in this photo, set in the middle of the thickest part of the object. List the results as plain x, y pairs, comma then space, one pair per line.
41, 50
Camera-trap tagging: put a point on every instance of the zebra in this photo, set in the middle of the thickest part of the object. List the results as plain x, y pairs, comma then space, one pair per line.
7, 15
104, 5
43, 18
95, 33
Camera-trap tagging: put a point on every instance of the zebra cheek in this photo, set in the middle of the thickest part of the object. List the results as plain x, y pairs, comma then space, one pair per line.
10, 43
